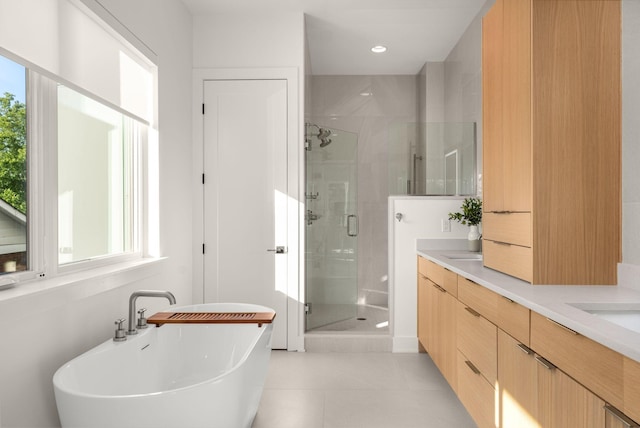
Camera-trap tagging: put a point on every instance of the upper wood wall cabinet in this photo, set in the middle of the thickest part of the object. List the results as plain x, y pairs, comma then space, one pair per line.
551, 77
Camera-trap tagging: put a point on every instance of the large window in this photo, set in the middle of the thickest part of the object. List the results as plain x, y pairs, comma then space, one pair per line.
78, 120
97, 187
13, 167
96, 174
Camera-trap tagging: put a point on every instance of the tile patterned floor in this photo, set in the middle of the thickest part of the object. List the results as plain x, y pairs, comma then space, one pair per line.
357, 390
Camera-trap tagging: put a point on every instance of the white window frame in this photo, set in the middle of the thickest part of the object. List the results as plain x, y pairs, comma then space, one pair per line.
42, 193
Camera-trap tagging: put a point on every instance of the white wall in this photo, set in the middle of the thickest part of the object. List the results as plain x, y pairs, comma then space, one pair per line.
245, 40
35, 342
421, 219
631, 133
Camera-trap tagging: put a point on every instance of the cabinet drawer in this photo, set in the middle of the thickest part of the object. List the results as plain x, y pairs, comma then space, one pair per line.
595, 366
439, 275
450, 282
506, 314
632, 388
479, 298
514, 319
422, 266
476, 394
512, 228
478, 341
510, 259
434, 272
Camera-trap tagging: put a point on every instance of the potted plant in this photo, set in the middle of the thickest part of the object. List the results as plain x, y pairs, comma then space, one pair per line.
472, 215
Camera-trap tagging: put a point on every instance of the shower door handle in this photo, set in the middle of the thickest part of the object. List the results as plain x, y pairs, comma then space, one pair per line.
352, 225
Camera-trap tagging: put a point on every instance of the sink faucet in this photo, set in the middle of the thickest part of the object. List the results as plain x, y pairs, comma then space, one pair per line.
144, 293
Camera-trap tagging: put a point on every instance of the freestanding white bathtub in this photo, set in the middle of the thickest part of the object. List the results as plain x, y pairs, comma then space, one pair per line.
174, 376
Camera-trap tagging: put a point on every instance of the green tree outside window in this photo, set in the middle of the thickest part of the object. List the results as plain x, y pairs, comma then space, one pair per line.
13, 152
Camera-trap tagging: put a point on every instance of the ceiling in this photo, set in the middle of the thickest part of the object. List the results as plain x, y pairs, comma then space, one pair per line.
341, 32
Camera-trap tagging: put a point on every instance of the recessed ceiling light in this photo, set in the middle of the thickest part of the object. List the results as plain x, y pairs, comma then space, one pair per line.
366, 94
379, 49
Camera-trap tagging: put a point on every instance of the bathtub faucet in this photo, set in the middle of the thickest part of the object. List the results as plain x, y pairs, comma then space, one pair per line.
144, 293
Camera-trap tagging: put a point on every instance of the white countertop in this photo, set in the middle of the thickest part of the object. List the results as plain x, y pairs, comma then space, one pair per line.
553, 301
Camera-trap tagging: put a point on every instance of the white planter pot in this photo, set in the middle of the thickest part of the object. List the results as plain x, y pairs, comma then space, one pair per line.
474, 243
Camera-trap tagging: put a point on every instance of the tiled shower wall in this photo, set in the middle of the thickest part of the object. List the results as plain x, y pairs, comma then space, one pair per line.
630, 132
463, 85
368, 106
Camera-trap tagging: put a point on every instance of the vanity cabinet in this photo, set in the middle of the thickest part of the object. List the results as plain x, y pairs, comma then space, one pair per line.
437, 317
563, 402
477, 341
477, 365
504, 313
616, 419
513, 367
518, 386
631, 370
597, 367
535, 393
477, 395
552, 140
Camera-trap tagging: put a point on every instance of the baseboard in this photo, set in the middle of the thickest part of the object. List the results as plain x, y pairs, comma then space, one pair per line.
405, 344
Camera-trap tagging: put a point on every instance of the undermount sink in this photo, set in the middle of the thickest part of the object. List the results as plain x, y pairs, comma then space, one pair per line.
463, 256
625, 315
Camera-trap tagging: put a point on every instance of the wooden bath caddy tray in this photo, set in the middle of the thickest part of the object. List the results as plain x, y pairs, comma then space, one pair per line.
212, 318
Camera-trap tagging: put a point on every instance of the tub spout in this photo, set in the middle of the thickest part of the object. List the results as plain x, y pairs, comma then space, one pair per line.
144, 293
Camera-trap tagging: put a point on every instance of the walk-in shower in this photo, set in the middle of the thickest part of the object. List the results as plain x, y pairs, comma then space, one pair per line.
333, 299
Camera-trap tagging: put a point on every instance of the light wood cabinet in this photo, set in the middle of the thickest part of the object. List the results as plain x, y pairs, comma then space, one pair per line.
552, 140
423, 310
440, 276
563, 402
477, 340
518, 384
512, 367
476, 394
597, 367
441, 315
504, 313
632, 388
534, 393
437, 317
614, 418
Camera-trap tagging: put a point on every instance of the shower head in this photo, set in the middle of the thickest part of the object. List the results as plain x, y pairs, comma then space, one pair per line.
323, 133
324, 142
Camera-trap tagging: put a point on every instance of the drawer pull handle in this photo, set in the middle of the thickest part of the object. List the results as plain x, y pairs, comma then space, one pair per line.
423, 277
506, 244
508, 299
545, 363
471, 311
525, 349
440, 288
620, 416
473, 368
501, 212
563, 327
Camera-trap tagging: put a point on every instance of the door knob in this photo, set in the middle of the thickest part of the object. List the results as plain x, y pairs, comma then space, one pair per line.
278, 250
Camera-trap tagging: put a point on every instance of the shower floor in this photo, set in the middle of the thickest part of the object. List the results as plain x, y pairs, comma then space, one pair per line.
369, 319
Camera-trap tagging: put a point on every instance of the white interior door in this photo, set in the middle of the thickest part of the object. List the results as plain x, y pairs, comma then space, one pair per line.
245, 195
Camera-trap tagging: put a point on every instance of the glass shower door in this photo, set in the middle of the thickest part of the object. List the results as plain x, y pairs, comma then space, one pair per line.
331, 228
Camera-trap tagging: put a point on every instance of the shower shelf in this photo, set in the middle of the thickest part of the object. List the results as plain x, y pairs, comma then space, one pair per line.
212, 318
